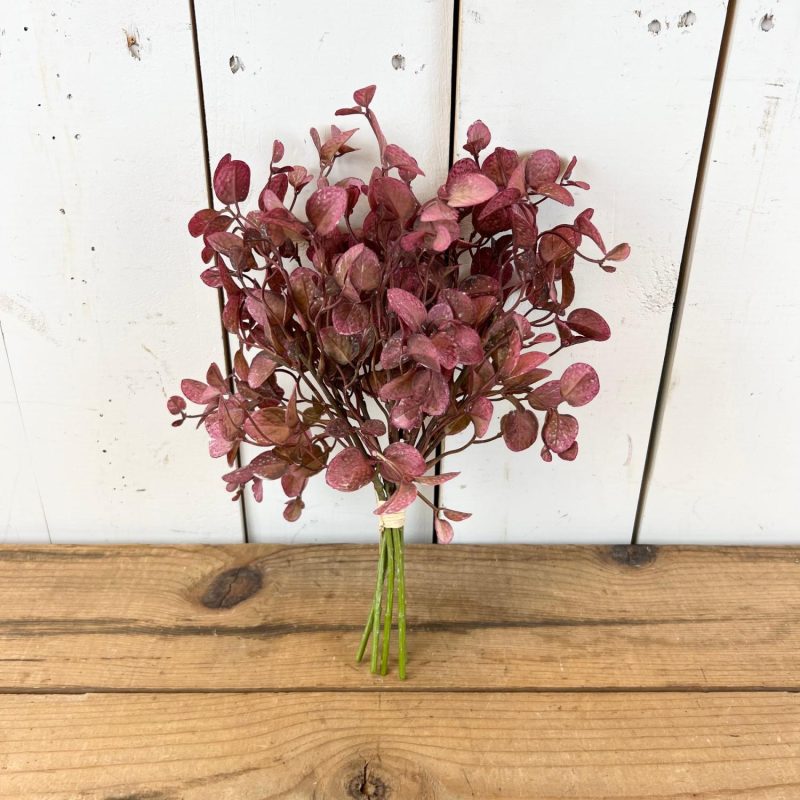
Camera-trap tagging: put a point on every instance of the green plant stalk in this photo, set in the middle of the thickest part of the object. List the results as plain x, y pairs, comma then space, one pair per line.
391, 535
365, 635
399, 560
376, 603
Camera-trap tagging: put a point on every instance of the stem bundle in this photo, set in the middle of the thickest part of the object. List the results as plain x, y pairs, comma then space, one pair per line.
391, 581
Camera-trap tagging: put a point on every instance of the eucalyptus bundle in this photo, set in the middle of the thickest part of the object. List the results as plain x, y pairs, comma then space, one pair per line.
364, 344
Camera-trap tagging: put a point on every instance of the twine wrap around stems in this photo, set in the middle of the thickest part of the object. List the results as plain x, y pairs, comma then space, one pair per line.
396, 520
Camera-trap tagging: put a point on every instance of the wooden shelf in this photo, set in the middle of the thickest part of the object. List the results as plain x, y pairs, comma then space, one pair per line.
535, 672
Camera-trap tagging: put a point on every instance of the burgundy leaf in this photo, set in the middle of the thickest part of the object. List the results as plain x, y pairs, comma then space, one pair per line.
469, 348
409, 308
397, 157
470, 189
556, 192
374, 427
198, 392
349, 470
587, 228
293, 509
341, 348
268, 465
559, 431
403, 462
480, 413
619, 253
403, 497
546, 396
443, 529
588, 323
231, 180
519, 429
500, 165
395, 196
261, 368
423, 351
478, 138
406, 415
579, 384
361, 265
437, 480
363, 97
176, 404
325, 208
349, 318
571, 453
435, 391
392, 353
542, 167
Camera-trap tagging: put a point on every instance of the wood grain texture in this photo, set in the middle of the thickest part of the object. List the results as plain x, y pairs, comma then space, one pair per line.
423, 746
727, 460
522, 617
591, 79
302, 61
101, 309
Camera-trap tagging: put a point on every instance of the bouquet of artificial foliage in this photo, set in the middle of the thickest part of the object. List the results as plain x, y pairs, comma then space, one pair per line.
377, 323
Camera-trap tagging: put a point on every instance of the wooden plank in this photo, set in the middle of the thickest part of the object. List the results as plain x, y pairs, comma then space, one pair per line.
296, 63
101, 308
592, 79
727, 459
22, 516
523, 617
438, 746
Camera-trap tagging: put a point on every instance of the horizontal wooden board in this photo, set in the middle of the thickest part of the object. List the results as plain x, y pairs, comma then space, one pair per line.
82, 618
428, 746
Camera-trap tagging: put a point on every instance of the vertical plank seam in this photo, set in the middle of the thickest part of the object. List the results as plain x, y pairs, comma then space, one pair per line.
451, 154
201, 103
28, 448
681, 288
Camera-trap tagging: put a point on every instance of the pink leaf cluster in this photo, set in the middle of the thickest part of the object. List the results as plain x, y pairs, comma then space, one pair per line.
364, 344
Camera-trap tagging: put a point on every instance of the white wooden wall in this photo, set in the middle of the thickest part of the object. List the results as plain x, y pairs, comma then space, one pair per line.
727, 463
102, 313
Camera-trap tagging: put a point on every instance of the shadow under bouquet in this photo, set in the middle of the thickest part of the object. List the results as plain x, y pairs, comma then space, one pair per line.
377, 323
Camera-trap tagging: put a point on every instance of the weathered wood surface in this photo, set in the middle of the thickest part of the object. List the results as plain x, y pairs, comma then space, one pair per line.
597, 81
426, 746
101, 308
727, 460
523, 617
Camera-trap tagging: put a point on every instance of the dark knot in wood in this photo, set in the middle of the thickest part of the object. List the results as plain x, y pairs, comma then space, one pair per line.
634, 555
232, 587
365, 785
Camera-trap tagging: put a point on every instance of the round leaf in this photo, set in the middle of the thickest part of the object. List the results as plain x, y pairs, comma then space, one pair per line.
519, 429
325, 208
588, 323
559, 431
579, 384
349, 470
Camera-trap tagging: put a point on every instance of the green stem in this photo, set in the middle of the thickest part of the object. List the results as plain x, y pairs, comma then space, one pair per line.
376, 603
401, 601
365, 636
390, 535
